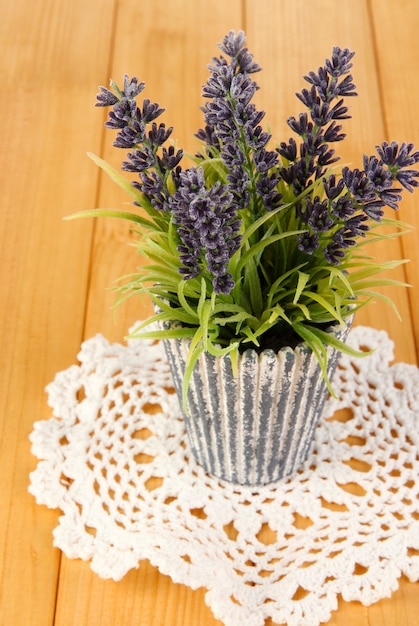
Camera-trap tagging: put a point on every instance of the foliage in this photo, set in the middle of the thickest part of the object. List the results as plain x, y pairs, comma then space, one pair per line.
253, 241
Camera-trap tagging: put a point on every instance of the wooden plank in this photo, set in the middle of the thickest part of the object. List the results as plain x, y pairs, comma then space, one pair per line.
168, 45
49, 57
395, 29
292, 38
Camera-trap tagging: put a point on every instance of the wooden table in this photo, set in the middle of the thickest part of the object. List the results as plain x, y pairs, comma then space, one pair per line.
55, 274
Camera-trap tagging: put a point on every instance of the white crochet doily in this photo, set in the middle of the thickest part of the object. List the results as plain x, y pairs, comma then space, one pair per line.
115, 459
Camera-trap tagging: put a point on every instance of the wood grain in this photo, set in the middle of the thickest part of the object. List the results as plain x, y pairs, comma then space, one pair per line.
46, 83
56, 276
395, 34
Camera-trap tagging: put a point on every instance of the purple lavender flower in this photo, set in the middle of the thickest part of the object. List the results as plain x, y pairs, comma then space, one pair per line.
332, 133
208, 136
132, 88
333, 224
265, 160
170, 158
152, 185
105, 98
308, 243
232, 43
333, 187
396, 158
288, 150
208, 215
233, 46
361, 195
334, 252
318, 127
158, 135
343, 207
129, 136
327, 78
139, 160
122, 114
372, 187
208, 227
340, 63
301, 126
358, 184
318, 215
133, 123
356, 226
150, 111
233, 128
267, 189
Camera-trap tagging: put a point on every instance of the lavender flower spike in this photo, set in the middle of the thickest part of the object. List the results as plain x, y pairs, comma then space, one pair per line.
207, 226
397, 158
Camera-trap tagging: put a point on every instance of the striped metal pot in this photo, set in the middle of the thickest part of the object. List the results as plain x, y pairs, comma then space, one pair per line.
257, 427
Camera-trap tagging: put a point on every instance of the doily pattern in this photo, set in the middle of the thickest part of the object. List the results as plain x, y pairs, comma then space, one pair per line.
115, 459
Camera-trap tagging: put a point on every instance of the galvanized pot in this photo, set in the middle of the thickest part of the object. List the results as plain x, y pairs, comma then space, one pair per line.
257, 427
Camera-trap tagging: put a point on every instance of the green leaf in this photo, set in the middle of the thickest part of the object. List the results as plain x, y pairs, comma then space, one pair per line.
172, 333
124, 215
214, 170
250, 335
169, 313
195, 350
371, 269
342, 277
219, 351
183, 302
202, 297
253, 284
329, 339
235, 317
378, 282
120, 180
159, 254
278, 282
259, 247
204, 321
374, 295
315, 343
317, 339
303, 278
304, 309
325, 304
173, 239
255, 225
253, 334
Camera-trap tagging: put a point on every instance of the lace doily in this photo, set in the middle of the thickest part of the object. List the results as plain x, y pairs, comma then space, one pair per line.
115, 460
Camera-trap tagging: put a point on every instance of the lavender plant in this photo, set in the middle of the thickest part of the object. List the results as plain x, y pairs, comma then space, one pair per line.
255, 244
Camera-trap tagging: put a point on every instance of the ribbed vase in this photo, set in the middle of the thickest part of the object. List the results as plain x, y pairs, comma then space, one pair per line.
256, 427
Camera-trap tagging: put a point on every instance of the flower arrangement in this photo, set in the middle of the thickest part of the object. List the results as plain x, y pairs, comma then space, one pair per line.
254, 245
